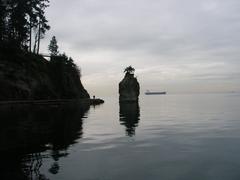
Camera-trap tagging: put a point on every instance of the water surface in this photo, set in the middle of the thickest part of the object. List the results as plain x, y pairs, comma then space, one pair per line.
168, 137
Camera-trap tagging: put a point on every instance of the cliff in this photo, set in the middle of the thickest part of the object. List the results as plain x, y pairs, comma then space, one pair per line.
129, 88
26, 76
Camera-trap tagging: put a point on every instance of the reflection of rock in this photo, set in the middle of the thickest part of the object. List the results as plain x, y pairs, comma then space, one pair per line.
129, 88
129, 116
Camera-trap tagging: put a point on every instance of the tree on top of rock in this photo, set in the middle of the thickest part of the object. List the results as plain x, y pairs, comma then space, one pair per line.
53, 47
129, 70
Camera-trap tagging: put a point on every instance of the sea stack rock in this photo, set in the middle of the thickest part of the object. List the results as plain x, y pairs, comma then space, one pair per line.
129, 87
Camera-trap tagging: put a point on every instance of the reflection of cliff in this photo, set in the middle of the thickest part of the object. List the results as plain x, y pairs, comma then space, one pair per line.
26, 129
129, 116
25, 134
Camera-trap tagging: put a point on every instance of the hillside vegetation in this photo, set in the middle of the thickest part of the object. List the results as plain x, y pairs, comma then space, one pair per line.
28, 76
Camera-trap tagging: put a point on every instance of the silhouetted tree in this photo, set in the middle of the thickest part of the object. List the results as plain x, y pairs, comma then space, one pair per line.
19, 17
129, 70
2, 19
41, 27
66, 76
53, 47
16, 21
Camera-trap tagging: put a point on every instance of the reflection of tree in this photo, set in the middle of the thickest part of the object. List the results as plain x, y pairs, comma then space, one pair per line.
129, 116
54, 168
32, 167
56, 155
34, 132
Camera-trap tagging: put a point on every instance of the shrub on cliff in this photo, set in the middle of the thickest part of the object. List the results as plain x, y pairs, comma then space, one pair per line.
65, 76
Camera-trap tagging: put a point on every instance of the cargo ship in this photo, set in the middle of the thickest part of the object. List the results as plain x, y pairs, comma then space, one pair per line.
155, 92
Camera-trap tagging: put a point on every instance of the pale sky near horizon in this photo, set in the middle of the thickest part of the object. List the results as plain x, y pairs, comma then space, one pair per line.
174, 45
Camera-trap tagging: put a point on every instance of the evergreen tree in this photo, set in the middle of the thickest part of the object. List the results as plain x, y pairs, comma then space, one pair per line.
2, 19
53, 47
38, 22
19, 17
18, 22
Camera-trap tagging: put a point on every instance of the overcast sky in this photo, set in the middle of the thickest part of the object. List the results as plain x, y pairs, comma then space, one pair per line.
174, 45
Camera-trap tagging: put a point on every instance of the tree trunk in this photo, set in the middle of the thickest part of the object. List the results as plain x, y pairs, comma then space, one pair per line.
39, 37
35, 42
30, 39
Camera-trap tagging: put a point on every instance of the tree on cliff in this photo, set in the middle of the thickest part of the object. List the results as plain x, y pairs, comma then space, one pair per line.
53, 47
38, 24
66, 77
2, 20
18, 18
129, 70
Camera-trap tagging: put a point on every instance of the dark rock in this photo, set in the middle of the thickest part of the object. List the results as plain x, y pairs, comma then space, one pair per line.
129, 88
96, 101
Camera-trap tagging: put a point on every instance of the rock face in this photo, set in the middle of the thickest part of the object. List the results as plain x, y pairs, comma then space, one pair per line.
129, 88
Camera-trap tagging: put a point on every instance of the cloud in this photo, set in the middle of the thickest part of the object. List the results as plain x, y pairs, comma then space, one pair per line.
173, 40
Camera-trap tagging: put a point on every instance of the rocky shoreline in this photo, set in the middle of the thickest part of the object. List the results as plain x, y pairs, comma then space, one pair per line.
50, 103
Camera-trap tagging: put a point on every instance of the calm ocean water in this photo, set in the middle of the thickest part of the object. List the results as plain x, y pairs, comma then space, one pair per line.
172, 137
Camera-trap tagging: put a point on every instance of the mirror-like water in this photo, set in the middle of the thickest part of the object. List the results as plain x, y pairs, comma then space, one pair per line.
161, 137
